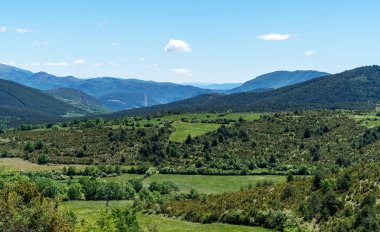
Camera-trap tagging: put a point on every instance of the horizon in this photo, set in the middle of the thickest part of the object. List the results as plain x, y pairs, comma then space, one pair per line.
164, 42
180, 83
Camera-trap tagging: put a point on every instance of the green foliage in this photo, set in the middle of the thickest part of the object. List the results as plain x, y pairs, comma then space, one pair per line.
74, 191
23, 208
47, 186
43, 158
94, 189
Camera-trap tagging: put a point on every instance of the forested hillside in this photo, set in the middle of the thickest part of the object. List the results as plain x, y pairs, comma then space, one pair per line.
20, 104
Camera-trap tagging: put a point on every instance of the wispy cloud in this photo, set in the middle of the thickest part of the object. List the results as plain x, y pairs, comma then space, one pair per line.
97, 64
23, 30
3, 29
177, 46
79, 61
113, 64
115, 44
40, 43
33, 64
101, 24
309, 53
275, 36
182, 72
56, 64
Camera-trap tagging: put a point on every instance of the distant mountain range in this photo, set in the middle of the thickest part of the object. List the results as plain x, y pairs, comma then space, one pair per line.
222, 86
275, 80
19, 104
120, 94
357, 89
114, 93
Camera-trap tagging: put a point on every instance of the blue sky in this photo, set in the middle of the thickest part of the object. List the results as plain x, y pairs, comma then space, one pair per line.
188, 40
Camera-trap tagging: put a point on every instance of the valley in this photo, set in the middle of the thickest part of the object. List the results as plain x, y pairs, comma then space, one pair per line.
189, 116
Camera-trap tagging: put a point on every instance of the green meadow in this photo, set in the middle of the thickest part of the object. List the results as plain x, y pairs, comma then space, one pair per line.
89, 211
207, 183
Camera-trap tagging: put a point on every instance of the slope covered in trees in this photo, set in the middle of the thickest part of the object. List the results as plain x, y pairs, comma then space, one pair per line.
20, 104
78, 99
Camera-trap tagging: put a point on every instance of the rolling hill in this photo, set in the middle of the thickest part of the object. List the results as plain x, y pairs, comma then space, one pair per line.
278, 79
353, 89
20, 104
78, 99
114, 93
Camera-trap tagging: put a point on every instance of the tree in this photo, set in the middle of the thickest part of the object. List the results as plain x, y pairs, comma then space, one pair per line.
28, 147
43, 159
74, 191
189, 139
47, 186
307, 133
39, 145
23, 208
136, 183
71, 171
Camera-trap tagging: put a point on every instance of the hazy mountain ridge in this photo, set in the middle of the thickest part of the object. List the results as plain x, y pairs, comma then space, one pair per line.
103, 87
353, 89
277, 79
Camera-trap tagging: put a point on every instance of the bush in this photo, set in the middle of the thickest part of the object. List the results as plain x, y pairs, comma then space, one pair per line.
43, 159
47, 186
74, 191
39, 145
137, 184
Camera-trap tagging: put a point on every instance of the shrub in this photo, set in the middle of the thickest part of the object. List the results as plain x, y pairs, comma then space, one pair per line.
47, 186
43, 159
74, 191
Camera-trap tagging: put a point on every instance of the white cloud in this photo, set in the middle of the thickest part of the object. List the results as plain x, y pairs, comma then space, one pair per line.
142, 59
33, 64
40, 43
114, 44
275, 36
177, 46
182, 72
79, 61
113, 64
3, 29
309, 53
100, 24
57, 64
23, 30
97, 65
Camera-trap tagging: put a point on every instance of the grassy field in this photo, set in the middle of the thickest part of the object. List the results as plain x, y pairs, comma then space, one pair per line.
233, 116
369, 120
207, 184
201, 116
89, 210
182, 130
18, 164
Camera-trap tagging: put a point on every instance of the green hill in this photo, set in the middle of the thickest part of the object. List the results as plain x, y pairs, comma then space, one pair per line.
79, 99
20, 104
